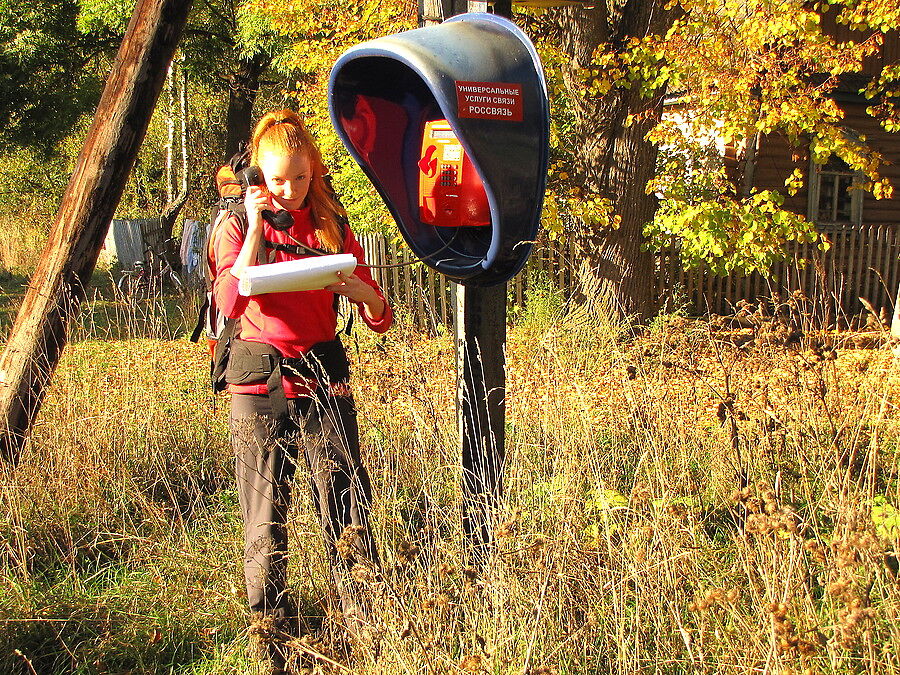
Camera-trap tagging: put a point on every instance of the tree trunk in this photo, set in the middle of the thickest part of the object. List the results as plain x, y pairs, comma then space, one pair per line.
614, 159
177, 170
185, 182
58, 286
171, 122
243, 88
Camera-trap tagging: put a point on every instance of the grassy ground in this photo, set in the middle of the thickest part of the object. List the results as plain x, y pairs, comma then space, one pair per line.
698, 499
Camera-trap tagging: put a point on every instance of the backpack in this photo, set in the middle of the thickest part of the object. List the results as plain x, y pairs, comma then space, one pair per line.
220, 331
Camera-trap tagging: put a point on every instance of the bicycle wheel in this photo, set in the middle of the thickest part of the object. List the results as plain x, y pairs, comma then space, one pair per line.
177, 283
125, 283
133, 285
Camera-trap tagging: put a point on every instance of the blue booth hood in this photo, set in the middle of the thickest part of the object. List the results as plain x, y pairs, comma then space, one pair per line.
481, 74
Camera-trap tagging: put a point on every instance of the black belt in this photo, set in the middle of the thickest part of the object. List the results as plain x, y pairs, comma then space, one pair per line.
256, 362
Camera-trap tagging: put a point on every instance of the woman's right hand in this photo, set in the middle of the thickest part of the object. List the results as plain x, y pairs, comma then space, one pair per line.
256, 201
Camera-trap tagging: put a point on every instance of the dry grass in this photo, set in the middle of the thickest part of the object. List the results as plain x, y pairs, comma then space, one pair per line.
694, 500
676, 503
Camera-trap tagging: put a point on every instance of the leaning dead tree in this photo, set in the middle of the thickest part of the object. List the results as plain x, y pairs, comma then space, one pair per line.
58, 286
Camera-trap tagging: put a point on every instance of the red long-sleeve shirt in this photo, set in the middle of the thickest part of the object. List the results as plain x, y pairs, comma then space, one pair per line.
291, 322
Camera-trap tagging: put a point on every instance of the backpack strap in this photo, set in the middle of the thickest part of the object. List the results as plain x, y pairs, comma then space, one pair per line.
238, 211
201, 320
220, 358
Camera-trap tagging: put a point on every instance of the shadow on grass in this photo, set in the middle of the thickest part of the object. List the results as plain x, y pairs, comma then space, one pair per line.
92, 635
107, 313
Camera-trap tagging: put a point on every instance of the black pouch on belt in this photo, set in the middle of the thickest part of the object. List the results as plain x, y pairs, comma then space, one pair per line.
326, 362
255, 363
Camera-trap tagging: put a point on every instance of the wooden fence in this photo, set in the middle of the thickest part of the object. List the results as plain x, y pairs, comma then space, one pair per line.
425, 296
862, 262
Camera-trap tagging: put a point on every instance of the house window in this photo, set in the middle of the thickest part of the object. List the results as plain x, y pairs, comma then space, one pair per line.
834, 198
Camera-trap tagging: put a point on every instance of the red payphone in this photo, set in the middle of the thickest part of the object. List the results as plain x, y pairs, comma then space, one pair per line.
451, 193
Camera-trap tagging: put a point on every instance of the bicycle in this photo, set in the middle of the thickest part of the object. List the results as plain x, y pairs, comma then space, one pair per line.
146, 279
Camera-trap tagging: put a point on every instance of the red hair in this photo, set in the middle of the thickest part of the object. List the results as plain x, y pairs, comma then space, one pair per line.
283, 132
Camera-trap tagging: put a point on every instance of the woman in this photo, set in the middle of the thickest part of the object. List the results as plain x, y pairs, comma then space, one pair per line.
307, 408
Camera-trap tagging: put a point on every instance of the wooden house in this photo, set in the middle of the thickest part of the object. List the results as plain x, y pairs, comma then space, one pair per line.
864, 259
830, 195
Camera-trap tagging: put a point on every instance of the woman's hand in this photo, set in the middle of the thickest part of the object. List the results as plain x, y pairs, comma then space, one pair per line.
357, 290
256, 200
351, 286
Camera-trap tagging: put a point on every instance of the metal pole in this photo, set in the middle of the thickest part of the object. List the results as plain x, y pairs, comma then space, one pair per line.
58, 285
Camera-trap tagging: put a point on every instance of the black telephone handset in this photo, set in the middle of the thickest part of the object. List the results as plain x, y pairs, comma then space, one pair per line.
279, 220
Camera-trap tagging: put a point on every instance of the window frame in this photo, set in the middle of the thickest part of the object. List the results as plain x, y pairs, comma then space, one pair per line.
817, 172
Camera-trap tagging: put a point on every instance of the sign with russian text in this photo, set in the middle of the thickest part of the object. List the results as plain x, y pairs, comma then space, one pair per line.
489, 101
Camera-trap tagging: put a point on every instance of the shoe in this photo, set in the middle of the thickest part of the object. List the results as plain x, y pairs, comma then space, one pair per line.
271, 645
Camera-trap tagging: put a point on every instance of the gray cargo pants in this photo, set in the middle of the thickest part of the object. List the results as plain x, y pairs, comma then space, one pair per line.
324, 430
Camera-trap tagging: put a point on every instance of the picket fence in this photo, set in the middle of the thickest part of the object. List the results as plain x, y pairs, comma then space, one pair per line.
425, 296
862, 262
862, 266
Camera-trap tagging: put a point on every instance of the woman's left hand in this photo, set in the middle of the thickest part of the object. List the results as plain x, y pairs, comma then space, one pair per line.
358, 290
353, 287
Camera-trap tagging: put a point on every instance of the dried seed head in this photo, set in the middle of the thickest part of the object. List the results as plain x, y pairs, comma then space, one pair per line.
778, 610
362, 574
741, 496
853, 623
506, 529
839, 588
407, 551
816, 550
845, 555
471, 664
640, 493
347, 544
438, 602
753, 505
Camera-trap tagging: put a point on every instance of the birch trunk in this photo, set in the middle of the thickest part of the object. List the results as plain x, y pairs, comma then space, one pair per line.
178, 183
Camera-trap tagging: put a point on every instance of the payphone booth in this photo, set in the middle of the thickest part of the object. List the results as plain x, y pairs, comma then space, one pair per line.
451, 125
